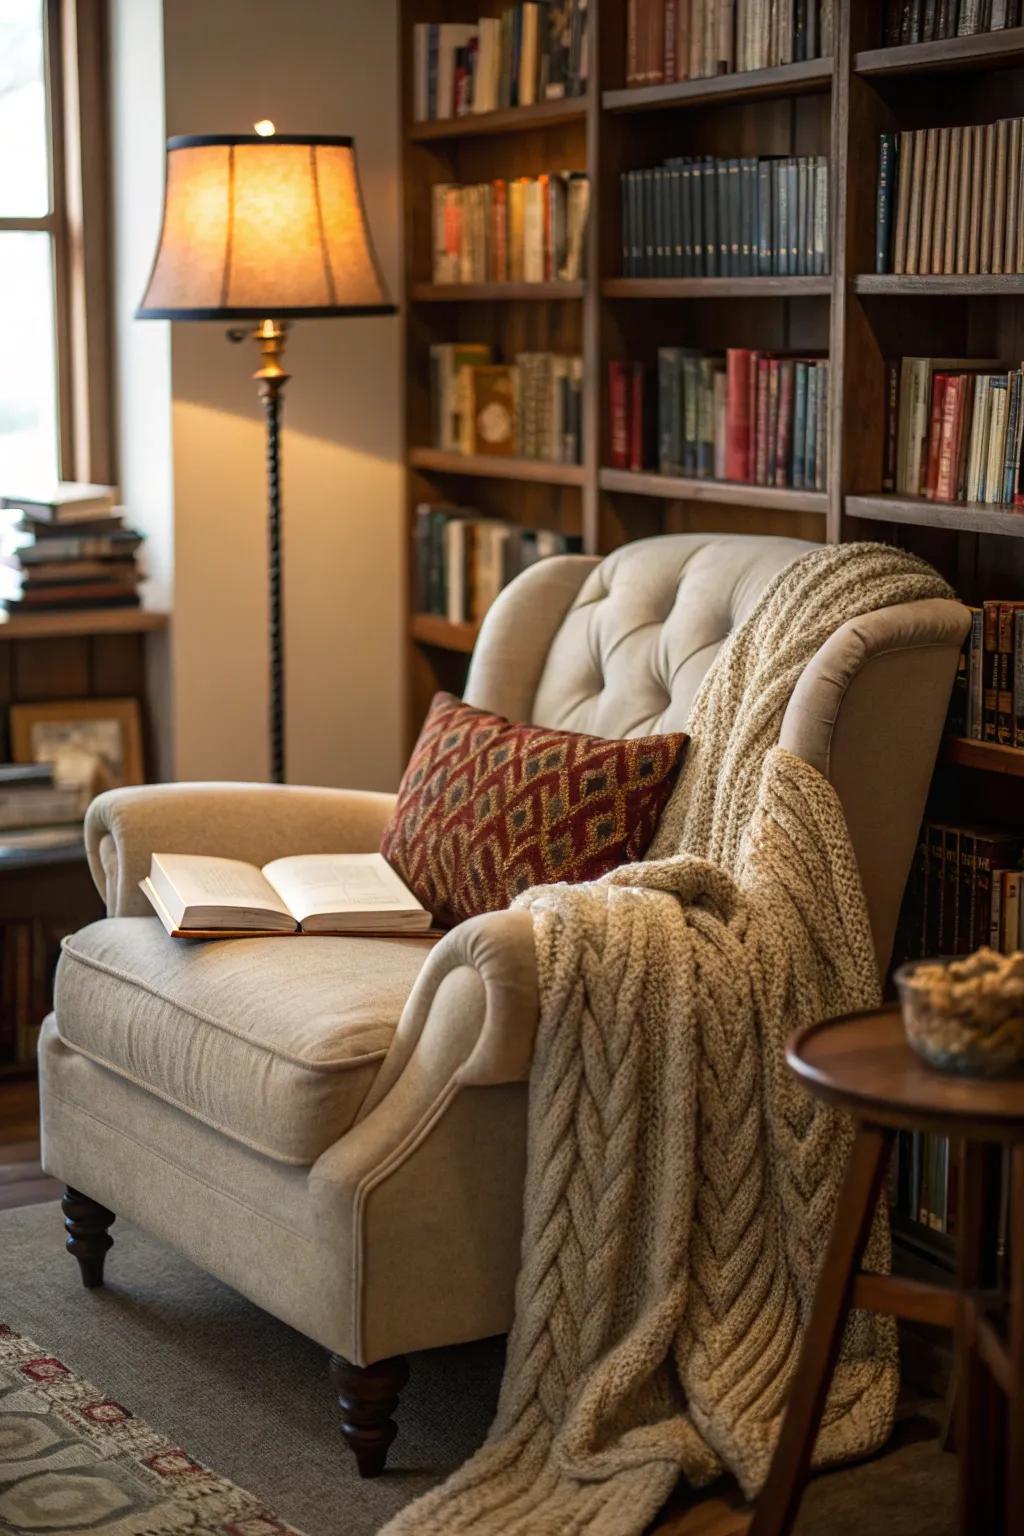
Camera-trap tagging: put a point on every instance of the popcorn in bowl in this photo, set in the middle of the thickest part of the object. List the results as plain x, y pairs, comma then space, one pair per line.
966, 1015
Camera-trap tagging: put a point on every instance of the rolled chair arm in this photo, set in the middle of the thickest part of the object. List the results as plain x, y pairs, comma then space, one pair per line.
255, 822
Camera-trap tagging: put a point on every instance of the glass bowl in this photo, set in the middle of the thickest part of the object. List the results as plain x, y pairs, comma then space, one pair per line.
966, 1015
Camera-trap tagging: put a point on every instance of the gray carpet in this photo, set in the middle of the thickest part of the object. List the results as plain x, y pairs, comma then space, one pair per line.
250, 1397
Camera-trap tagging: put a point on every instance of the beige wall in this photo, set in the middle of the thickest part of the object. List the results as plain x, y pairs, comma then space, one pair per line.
327, 66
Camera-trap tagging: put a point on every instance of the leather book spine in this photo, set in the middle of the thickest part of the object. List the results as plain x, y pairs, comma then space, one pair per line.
737, 459
618, 416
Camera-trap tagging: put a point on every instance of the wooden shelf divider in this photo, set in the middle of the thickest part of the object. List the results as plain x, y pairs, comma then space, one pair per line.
769, 498
982, 50
539, 471
916, 511
748, 85
987, 756
501, 293
963, 285
431, 629
716, 287
85, 621
539, 114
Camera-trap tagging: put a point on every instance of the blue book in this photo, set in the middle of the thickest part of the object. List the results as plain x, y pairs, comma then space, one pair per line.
799, 426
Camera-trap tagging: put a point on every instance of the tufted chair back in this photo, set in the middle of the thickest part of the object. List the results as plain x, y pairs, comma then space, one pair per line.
619, 646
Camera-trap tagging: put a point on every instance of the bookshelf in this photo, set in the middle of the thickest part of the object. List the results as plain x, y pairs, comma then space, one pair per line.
836, 106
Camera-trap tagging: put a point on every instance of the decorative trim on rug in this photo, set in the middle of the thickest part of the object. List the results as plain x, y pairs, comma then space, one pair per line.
73, 1461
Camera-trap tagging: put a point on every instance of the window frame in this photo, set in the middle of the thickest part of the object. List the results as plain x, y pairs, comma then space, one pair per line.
75, 38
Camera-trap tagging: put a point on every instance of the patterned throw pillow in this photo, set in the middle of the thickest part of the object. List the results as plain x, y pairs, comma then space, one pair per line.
487, 807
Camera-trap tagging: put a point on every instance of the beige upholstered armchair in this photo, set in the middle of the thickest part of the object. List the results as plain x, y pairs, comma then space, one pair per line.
335, 1127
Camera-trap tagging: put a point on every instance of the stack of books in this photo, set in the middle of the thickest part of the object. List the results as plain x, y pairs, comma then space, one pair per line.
951, 200
529, 230
31, 798
530, 52
925, 20
747, 216
530, 408
461, 560
953, 430
67, 548
987, 702
758, 418
670, 40
923, 1182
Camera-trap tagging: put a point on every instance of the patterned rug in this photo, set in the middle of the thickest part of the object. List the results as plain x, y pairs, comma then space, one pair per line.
73, 1460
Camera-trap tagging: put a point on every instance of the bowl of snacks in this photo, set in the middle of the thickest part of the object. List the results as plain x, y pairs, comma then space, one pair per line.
966, 1015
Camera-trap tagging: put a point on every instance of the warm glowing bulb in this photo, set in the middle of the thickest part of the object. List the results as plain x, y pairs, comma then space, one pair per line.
264, 128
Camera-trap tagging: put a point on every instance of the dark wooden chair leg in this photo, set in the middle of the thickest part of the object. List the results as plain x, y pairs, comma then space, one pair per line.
1015, 1410
779, 1499
88, 1238
980, 1411
368, 1396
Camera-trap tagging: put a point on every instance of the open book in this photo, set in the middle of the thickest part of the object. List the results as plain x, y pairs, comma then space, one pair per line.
199, 897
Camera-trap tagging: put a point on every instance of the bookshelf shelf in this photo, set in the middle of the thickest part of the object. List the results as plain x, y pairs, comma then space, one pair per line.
985, 50
964, 516
503, 293
986, 756
430, 629
715, 287
732, 493
539, 471
90, 621
540, 114
964, 285
783, 80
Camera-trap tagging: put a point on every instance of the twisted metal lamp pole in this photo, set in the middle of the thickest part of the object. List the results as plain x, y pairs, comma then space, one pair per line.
270, 337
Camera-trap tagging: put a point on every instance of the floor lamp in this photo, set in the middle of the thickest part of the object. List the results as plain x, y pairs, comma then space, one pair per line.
266, 227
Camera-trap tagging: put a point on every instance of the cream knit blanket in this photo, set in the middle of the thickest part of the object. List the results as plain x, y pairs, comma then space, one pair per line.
680, 1184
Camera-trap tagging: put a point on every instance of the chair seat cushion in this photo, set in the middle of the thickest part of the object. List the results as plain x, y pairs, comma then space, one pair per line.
274, 1042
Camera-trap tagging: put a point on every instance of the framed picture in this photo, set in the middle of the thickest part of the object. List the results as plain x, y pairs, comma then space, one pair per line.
96, 743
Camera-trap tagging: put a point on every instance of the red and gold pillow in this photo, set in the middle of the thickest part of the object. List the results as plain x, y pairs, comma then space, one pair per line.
487, 807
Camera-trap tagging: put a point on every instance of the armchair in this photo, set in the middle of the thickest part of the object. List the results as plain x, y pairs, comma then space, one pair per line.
336, 1127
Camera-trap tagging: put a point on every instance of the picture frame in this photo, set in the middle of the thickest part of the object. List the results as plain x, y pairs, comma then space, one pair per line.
95, 742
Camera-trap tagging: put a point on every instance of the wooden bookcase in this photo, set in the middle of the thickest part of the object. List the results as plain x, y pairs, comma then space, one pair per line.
836, 106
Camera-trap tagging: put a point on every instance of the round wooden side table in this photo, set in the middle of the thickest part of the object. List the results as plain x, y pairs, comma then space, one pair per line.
862, 1063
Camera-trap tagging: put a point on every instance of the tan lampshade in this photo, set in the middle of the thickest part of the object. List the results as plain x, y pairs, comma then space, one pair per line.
263, 227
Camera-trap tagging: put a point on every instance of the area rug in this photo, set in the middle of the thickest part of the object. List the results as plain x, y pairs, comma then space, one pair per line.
72, 1459
247, 1396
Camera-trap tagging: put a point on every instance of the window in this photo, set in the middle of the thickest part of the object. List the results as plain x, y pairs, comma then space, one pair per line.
53, 357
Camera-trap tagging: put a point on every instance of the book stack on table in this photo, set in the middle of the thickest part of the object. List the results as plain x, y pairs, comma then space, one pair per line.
67, 548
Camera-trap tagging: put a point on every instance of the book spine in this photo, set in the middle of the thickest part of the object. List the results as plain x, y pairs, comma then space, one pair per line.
637, 418
931, 470
1018, 677
990, 611
883, 218
737, 461
785, 427
618, 412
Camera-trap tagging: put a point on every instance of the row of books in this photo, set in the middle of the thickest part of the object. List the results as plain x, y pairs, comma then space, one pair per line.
964, 892
66, 547
28, 959
461, 561
922, 21
669, 40
758, 418
727, 217
529, 230
531, 408
987, 703
951, 199
530, 52
924, 1182
954, 429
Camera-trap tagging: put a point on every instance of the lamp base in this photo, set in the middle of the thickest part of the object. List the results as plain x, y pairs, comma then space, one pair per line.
270, 336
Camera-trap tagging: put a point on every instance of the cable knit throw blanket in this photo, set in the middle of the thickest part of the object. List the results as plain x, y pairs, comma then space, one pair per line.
680, 1184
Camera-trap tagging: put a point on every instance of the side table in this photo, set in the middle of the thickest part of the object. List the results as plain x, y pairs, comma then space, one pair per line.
862, 1064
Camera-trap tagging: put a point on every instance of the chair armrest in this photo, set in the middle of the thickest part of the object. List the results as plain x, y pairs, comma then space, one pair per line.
471, 1016
255, 822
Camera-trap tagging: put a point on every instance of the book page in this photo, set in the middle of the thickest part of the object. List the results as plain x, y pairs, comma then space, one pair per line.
185, 881
322, 884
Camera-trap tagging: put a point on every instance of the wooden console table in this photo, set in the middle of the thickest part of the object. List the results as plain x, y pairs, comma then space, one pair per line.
862, 1064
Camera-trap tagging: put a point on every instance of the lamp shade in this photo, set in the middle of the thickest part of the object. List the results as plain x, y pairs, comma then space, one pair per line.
258, 227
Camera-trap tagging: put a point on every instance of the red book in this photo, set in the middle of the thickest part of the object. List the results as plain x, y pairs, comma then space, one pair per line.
669, 41
636, 417
785, 432
773, 420
950, 429
930, 470
655, 22
755, 358
632, 43
618, 415
761, 420
738, 369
